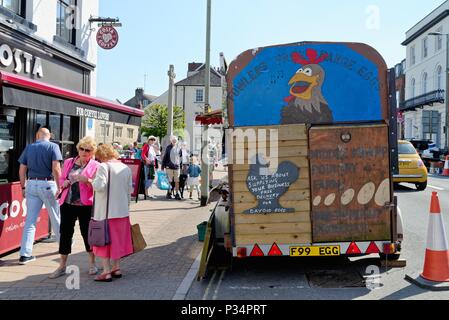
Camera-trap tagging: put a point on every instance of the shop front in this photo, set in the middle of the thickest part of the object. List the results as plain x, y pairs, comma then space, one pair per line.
26, 105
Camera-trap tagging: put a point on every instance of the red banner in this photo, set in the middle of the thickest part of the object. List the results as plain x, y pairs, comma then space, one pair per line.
12, 218
135, 165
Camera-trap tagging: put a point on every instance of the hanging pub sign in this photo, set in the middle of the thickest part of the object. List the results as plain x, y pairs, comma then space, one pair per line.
107, 37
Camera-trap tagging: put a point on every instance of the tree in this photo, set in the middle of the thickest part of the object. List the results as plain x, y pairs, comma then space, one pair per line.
154, 122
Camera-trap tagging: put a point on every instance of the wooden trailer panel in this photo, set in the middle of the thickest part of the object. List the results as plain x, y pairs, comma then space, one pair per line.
265, 226
350, 183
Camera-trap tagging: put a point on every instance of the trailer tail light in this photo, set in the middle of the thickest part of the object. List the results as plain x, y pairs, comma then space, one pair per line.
353, 249
241, 253
389, 248
275, 251
257, 252
372, 248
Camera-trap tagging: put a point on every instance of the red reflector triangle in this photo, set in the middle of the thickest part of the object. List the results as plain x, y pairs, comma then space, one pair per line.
353, 249
275, 251
257, 252
372, 248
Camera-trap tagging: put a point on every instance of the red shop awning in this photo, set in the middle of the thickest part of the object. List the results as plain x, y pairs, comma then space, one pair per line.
32, 94
211, 118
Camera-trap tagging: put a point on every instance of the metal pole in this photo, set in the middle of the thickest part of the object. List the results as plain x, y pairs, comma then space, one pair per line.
446, 94
204, 157
171, 76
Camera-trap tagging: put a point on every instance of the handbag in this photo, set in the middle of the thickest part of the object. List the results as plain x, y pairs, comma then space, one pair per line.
162, 181
99, 230
139, 242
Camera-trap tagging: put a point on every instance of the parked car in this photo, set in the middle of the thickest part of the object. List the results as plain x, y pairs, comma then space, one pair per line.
411, 167
421, 145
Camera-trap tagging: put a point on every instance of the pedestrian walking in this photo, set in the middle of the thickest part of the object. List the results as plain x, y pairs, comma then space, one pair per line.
76, 200
39, 172
118, 176
150, 164
171, 163
193, 181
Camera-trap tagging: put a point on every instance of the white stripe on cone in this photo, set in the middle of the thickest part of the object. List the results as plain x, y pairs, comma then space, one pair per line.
436, 234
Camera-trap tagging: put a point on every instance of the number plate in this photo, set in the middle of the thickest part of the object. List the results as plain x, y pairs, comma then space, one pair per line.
314, 251
404, 164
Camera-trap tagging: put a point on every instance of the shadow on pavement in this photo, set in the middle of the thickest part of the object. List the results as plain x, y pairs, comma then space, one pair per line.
152, 274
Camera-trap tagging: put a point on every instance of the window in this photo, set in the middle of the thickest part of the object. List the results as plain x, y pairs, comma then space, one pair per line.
65, 20
14, 6
6, 144
145, 102
439, 75
412, 56
199, 96
431, 124
130, 133
105, 130
439, 40
424, 83
118, 132
413, 87
425, 47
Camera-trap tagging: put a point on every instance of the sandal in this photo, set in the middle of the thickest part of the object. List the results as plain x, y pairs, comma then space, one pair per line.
104, 277
116, 274
58, 273
93, 271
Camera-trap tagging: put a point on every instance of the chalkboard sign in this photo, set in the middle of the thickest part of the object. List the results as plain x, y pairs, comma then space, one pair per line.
268, 188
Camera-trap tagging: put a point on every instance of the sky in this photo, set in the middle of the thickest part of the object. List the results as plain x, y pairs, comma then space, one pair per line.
157, 33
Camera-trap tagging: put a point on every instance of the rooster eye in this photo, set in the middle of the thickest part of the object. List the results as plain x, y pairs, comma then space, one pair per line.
300, 71
308, 72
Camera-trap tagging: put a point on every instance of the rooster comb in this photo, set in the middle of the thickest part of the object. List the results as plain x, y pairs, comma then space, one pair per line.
312, 57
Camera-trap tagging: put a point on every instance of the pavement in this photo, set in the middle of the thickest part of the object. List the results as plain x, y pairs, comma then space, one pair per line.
163, 271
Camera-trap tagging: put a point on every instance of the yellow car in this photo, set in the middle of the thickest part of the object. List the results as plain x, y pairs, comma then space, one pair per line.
411, 167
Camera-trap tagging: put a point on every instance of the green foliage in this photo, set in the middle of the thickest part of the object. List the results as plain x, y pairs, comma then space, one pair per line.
154, 122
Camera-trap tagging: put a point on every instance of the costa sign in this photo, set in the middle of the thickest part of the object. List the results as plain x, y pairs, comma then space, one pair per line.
107, 37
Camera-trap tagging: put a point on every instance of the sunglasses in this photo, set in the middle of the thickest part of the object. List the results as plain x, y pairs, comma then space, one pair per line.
85, 150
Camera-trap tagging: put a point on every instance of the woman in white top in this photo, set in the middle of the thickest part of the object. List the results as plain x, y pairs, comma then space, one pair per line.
121, 187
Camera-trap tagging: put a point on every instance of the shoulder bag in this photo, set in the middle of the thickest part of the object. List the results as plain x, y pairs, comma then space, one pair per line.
99, 230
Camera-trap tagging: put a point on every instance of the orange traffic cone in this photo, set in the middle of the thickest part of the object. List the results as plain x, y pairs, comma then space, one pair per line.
435, 275
436, 263
446, 167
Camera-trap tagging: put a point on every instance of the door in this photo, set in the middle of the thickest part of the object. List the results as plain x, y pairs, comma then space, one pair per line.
350, 183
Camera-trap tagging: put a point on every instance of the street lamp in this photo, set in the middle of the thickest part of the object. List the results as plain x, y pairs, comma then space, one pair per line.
446, 91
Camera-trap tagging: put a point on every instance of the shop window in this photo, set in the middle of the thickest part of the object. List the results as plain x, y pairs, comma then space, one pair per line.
65, 21
6, 144
66, 128
130, 133
55, 126
15, 6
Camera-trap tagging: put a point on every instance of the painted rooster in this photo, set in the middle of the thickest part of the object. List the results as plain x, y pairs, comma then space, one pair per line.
306, 103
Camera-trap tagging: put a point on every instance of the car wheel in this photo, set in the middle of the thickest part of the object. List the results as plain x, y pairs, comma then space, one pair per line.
421, 186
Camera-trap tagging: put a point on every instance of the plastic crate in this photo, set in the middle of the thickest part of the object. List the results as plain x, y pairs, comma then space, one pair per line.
201, 230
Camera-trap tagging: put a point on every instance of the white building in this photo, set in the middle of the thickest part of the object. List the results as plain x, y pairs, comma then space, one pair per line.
424, 109
48, 57
189, 94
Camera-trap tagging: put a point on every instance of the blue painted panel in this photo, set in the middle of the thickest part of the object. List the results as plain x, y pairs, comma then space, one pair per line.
313, 83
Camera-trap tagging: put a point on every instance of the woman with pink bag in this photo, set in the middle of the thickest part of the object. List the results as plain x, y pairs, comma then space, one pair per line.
76, 200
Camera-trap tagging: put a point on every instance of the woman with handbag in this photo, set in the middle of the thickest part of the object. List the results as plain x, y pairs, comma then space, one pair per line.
113, 187
76, 200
